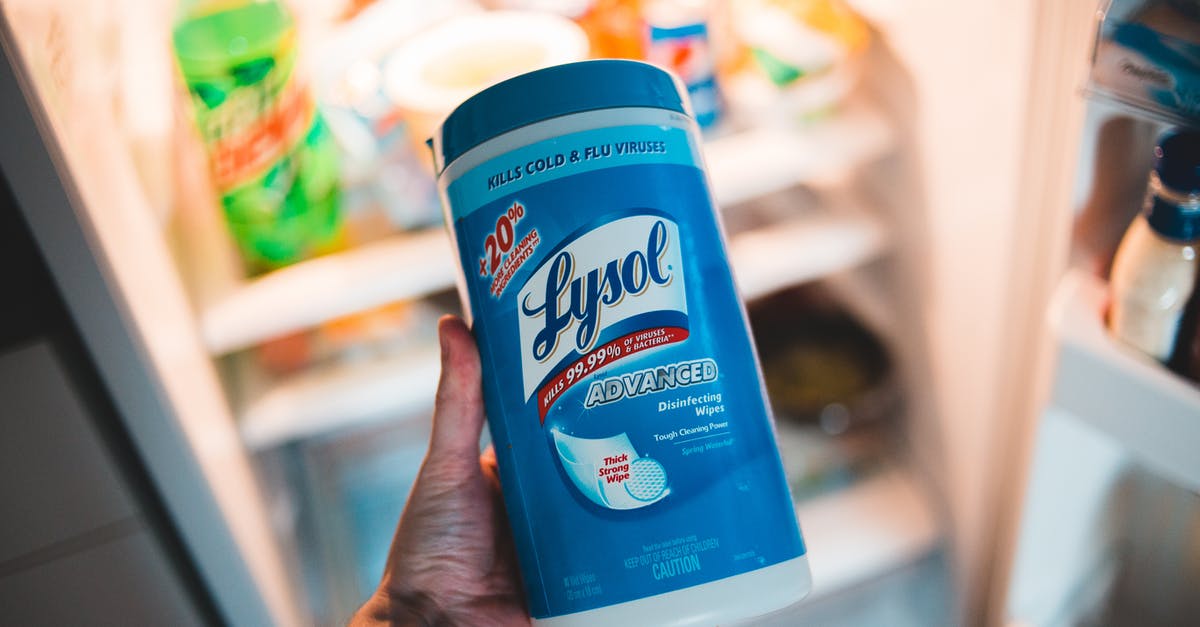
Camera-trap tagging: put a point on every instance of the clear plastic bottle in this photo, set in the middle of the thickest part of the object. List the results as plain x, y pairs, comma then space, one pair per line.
272, 157
1155, 267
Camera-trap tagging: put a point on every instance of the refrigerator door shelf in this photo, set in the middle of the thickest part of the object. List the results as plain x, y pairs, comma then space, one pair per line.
744, 166
1151, 412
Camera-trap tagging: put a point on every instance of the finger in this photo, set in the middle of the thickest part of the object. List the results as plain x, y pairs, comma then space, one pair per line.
458, 413
488, 456
490, 467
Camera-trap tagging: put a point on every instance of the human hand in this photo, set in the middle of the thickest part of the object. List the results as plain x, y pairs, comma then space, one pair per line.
452, 560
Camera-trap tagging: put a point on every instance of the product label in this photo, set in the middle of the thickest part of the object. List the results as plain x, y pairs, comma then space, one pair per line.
579, 289
263, 137
252, 118
1135, 62
685, 50
623, 396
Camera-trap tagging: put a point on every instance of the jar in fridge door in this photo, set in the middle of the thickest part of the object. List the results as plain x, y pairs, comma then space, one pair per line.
1155, 267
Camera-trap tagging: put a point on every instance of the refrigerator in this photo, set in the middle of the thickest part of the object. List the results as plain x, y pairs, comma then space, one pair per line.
1024, 467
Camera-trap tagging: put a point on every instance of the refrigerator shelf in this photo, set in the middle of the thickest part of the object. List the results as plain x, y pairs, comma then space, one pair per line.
341, 396
872, 526
764, 260
1151, 412
803, 249
334, 397
318, 290
759, 160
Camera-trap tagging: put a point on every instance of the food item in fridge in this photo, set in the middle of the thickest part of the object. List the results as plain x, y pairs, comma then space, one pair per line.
377, 333
436, 70
795, 56
640, 472
677, 38
1147, 55
1155, 266
287, 354
272, 159
615, 29
820, 363
384, 176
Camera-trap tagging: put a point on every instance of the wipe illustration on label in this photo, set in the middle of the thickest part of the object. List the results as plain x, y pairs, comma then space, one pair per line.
586, 307
609, 472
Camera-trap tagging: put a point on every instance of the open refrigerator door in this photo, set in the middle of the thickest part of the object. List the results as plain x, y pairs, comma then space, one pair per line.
1102, 520
77, 175
293, 358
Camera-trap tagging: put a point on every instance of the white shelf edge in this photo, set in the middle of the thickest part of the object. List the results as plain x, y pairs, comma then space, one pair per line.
876, 525
1151, 412
321, 289
742, 165
801, 250
759, 161
341, 396
764, 260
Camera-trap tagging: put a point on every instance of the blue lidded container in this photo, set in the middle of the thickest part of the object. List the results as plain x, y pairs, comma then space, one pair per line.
638, 463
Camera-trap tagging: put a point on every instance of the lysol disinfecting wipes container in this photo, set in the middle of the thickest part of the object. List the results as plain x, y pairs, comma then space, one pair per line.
636, 453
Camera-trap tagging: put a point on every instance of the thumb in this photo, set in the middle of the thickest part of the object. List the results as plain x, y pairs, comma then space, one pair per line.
458, 412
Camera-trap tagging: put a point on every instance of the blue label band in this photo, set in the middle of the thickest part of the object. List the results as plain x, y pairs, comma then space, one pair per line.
623, 397
568, 155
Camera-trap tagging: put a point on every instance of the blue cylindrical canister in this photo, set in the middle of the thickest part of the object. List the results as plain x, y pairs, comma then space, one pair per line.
637, 459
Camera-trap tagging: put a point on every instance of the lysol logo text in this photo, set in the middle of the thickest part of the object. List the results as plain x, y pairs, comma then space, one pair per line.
599, 287
583, 289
